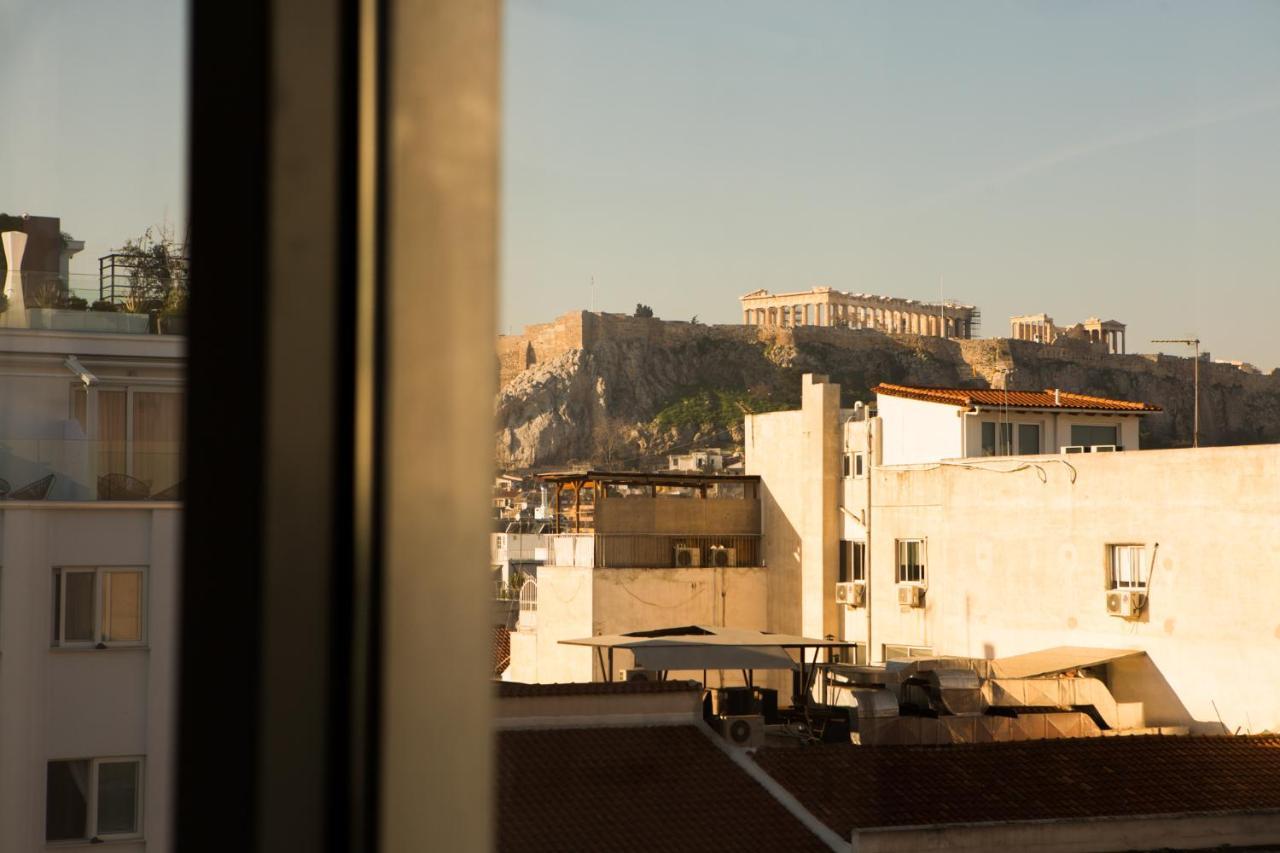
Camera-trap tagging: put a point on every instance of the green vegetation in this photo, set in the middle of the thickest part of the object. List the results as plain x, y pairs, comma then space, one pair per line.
715, 407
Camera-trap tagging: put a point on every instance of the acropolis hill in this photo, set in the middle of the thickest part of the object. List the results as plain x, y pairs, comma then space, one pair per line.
624, 390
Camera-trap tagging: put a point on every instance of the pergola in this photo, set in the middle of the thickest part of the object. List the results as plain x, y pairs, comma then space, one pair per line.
695, 647
577, 481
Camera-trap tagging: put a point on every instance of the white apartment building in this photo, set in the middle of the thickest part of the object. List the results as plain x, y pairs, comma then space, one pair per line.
1170, 552
90, 517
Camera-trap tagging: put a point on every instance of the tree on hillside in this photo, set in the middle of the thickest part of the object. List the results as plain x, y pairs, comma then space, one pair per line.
643, 310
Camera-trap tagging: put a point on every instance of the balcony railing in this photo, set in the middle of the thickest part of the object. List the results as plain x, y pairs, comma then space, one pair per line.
83, 470
77, 303
654, 550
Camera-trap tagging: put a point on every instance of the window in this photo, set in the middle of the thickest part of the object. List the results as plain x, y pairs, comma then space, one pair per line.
135, 430
852, 561
94, 606
911, 561
846, 469
1086, 435
859, 464
900, 652
94, 799
1126, 567
1028, 439
993, 447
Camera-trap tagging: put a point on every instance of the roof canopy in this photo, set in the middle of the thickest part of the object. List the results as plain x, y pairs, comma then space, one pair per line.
657, 478
1055, 660
694, 647
1050, 398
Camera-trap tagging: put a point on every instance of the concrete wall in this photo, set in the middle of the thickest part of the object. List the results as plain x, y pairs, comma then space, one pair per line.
84, 703
1016, 563
692, 515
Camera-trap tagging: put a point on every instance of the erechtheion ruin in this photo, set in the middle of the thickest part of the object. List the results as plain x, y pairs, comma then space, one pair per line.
1041, 329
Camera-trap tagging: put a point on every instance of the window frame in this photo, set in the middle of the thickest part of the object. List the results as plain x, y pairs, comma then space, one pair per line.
1111, 576
899, 566
58, 592
91, 800
1019, 426
161, 386
859, 464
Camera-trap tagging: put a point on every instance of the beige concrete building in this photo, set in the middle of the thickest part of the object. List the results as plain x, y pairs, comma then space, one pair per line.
1169, 552
825, 306
655, 550
1041, 329
90, 476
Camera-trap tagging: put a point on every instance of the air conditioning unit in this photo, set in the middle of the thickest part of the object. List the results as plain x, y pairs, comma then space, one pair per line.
688, 557
910, 595
743, 731
1075, 448
722, 556
1125, 603
637, 675
851, 594
1104, 448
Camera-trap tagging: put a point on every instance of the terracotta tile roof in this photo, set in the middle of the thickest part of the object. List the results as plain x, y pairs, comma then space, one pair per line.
501, 649
634, 789
514, 689
1048, 399
849, 787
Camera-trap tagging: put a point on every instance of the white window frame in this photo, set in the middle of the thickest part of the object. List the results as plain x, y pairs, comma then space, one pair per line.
1139, 565
924, 561
859, 464
91, 801
911, 650
93, 432
98, 572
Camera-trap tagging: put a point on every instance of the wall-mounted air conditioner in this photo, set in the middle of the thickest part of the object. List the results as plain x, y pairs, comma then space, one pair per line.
851, 594
722, 556
744, 731
688, 557
911, 595
1075, 448
1103, 448
1125, 603
637, 675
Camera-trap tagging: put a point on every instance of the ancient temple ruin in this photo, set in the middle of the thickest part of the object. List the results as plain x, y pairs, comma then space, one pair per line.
825, 306
1041, 329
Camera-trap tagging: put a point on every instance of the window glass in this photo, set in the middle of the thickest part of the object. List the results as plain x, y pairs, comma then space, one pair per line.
1088, 435
910, 561
1127, 570
78, 607
66, 800
1028, 439
112, 431
858, 460
842, 573
117, 797
157, 431
122, 606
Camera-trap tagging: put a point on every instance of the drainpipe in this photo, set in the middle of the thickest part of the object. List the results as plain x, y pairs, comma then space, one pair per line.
866, 523
964, 430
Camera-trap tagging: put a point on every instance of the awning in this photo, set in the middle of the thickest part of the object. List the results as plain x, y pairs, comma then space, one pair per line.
1055, 660
695, 647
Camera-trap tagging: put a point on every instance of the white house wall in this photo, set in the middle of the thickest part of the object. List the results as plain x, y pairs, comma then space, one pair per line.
1015, 564
917, 431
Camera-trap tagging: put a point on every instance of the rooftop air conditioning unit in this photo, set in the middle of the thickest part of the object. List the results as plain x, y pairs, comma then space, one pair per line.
1104, 448
1125, 603
743, 731
911, 595
722, 556
851, 594
1074, 448
688, 557
637, 675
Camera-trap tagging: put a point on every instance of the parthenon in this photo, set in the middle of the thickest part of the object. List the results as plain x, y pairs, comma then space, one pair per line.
1041, 329
825, 306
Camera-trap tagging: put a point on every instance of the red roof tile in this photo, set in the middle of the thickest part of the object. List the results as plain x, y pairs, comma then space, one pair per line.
514, 689
1048, 399
849, 787
634, 789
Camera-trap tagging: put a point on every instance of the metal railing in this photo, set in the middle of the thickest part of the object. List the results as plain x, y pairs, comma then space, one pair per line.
655, 550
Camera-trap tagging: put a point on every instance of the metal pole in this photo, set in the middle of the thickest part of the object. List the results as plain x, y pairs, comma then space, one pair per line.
1195, 429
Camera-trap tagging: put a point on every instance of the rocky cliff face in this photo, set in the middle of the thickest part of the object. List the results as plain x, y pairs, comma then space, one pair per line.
637, 389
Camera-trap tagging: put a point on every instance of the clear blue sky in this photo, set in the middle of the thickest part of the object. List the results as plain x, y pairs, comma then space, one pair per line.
1080, 158
1117, 159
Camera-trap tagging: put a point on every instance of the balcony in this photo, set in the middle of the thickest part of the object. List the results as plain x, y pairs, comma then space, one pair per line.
85, 304
83, 470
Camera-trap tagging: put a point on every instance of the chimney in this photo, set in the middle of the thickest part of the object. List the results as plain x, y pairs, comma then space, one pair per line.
1057, 397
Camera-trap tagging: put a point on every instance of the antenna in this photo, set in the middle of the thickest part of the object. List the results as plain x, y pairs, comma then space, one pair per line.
593, 294
1191, 342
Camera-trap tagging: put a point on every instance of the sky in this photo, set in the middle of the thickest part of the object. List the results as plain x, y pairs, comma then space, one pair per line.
1119, 160
1111, 159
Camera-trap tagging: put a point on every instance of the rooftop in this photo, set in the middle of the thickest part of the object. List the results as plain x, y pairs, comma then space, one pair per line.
516, 690
634, 789
1050, 398
851, 787
659, 478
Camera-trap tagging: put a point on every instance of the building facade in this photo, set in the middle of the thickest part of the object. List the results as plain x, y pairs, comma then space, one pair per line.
1168, 552
825, 306
90, 521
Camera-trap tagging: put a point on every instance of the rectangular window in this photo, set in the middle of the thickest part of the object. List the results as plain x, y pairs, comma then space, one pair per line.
137, 432
1087, 435
911, 561
1125, 567
859, 464
846, 469
1028, 439
92, 606
900, 652
997, 439
93, 799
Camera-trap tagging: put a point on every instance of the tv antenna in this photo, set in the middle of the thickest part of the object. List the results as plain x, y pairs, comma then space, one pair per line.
1191, 342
